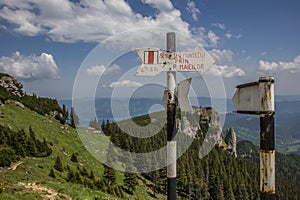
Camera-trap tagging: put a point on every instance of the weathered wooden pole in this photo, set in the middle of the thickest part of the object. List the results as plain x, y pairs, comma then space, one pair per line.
267, 140
171, 123
258, 98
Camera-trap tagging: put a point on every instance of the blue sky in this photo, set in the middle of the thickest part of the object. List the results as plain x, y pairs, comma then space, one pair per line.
46, 43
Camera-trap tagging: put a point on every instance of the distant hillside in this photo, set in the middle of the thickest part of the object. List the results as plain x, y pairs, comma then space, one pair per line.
285, 107
287, 130
287, 126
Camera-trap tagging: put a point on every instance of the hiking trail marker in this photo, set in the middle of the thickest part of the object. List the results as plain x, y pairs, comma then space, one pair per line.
258, 98
155, 61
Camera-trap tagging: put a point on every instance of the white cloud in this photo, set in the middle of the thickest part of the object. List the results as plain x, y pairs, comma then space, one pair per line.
226, 71
23, 19
96, 21
113, 69
264, 53
125, 83
213, 37
191, 7
99, 70
238, 36
162, 5
85, 20
200, 36
269, 68
219, 25
221, 56
222, 68
31, 67
230, 35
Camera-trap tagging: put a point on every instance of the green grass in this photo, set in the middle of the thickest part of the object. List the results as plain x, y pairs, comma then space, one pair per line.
65, 141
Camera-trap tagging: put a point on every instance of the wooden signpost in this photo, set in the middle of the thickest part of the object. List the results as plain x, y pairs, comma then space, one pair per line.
258, 98
155, 61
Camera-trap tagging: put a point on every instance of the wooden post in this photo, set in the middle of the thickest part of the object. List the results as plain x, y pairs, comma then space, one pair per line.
171, 124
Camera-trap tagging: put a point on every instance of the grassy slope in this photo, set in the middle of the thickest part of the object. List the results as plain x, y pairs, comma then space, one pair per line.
36, 170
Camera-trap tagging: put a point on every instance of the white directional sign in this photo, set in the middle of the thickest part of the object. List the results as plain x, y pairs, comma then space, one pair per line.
183, 89
182, 92
256, 97
154, 61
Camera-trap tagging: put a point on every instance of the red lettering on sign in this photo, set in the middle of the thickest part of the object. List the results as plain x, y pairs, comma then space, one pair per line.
190, 67
165, 55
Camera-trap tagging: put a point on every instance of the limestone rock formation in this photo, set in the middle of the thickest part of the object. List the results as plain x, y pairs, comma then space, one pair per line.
189, 125
13, 85
230, 140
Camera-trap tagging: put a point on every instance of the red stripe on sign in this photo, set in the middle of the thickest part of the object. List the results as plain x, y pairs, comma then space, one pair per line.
150, 57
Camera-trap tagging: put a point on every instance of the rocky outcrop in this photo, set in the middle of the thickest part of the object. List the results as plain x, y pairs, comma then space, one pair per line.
187, 128
189, 125
19, 104
13, 85
230, 140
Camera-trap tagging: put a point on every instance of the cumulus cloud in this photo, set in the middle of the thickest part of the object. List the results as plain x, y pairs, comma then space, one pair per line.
125, 83
99, 70
213, 38
200, 35
191, 7
230, 35
222, 68
96, 21
221, 56
113, 69
226, 71
84, 20
29, 67
270, 68
162, 5
238, 36
219, 25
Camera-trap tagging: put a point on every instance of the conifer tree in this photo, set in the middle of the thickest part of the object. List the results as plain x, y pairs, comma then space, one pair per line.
47, 147
92, 176
7, 156
65, 112
52, 173
58, 164
71, 176
74, 158
130, 180
31, 148
109, 173
74, 118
